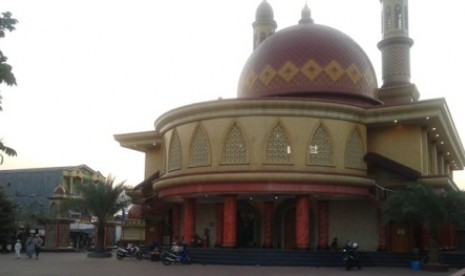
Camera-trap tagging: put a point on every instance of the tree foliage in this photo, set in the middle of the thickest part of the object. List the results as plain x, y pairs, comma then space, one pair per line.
420, 204
101, 200
7, 218
7, 23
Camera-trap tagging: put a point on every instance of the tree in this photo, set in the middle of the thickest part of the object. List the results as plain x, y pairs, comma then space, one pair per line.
7, 218
423, 205
7, 23
102, 200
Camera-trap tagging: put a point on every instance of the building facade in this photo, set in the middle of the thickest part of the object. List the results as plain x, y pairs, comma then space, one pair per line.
38, 192
306, 152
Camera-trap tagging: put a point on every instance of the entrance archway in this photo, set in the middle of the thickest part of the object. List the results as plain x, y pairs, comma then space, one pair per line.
248, 225
284, 221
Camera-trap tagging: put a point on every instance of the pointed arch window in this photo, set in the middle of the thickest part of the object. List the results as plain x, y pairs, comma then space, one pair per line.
199, 149
235, 147
354, 151
320, 150
387, 19
406, 18
174, 154
278, 148
398, 17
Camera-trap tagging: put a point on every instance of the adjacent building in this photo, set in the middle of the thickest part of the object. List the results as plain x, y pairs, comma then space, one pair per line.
38, 191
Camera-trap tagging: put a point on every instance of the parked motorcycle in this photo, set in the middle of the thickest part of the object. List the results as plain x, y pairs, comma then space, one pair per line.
351, 257
131, 251
176, 256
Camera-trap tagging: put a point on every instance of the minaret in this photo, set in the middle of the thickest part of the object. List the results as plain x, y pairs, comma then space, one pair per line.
264, 25
395, 49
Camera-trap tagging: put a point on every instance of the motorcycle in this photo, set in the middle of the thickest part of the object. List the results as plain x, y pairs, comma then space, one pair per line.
131, 251
351, 257
176, 255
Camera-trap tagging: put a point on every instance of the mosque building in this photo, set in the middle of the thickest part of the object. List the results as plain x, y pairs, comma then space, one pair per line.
306, 152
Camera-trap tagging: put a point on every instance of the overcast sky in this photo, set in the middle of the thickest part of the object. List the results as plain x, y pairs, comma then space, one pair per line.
89, 69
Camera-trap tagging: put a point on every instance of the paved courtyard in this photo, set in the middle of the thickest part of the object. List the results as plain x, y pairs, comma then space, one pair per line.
77, 264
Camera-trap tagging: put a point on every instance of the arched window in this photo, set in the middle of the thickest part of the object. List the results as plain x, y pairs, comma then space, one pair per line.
174, 156
406, 18
199, 149
387, 19
235, 147
320, 151
278, 148
354, 151
398, 17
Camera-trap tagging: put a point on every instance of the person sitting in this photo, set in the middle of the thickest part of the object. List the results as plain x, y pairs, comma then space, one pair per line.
155, 251
334, 245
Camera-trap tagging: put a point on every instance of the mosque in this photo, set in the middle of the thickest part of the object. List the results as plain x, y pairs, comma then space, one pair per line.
306, 152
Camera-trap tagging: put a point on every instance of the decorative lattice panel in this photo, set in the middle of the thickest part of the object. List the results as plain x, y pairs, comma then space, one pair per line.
200, 149
354, 152
174, 159
235, 148
278, 149
320, 151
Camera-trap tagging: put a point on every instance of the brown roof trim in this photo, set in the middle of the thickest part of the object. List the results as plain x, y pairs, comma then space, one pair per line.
148, 181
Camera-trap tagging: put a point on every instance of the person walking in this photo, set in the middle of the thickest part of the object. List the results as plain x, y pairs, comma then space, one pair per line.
18, 247
37, 244
30, 246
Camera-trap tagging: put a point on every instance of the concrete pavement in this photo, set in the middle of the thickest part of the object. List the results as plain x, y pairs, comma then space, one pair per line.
77, 264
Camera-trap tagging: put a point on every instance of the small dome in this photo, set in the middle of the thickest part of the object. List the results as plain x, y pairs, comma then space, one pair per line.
59, 190
135, 212
312, 61
264, 12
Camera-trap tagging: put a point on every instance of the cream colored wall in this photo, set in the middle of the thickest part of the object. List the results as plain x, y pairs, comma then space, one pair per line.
355, 221
401, 143
153, 161
256, 130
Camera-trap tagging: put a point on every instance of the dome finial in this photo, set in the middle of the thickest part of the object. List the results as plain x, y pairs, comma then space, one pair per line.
306, 15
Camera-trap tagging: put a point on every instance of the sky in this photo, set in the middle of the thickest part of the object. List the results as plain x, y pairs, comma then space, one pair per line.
89, 69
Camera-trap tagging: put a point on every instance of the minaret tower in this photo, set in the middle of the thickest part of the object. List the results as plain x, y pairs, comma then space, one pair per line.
264, 25
395, 48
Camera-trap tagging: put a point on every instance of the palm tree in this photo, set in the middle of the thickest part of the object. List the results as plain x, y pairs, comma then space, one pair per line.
102, 200
423, 205
7, 150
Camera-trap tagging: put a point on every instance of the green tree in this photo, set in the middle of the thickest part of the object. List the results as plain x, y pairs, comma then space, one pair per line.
101, 200
7, 218
421, 204
7, 23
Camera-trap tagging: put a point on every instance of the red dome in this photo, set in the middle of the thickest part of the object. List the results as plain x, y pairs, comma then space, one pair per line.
309, 60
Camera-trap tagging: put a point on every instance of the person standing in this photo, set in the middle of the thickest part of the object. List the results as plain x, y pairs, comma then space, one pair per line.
18, 247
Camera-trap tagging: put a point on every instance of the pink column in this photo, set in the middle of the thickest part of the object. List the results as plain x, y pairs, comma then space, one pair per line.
323, 225
219, 224
189, 220
175, 223
302, 220
229, 221
268, 224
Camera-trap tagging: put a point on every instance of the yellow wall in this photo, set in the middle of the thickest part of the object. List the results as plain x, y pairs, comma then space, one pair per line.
402, 143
